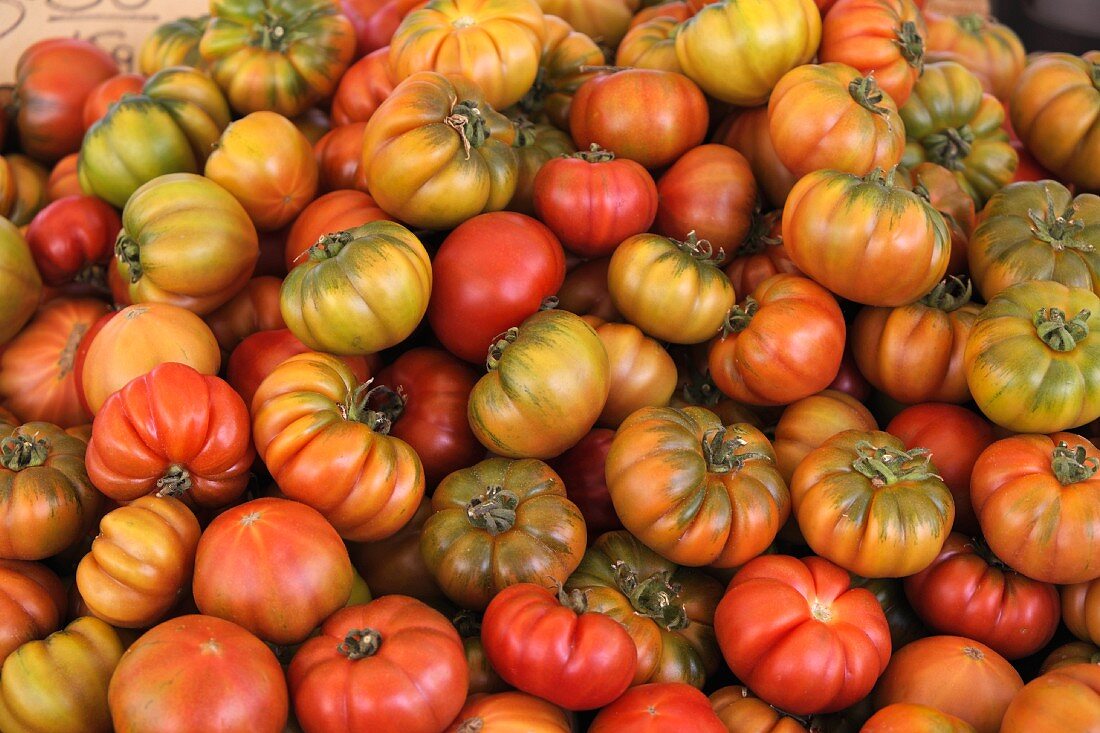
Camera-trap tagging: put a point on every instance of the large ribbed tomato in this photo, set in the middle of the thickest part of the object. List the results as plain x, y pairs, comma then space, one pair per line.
32, 604
809, 422
1081, 610
990, 50
391, 664
800, 636
326, 448
656, 708
1064, 699
72, 237
336, 211
747, 131
175, 432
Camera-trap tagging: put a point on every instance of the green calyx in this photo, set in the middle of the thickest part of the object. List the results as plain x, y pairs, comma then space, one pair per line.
271, 32
1057, 332
654, 597
1059, 230
865, 92
740, 316
952, 293
971, 23
500, 343
175, 482
950, 147
882, 178
128, 253
360, 644
329, 245
722, 452
594, 154
356, 408
466, 120
911, 45
885, 465
1071, 465
759, 237
21, 451
493, 511
700, 250
576, 600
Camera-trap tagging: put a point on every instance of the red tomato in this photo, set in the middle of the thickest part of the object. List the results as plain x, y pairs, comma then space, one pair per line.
661, 707
956, 437
339, 155
551, 647
71, 237
376, 20
489, 275
800, 636
582, 471
363, 87
592, 200
107, 93
333, 212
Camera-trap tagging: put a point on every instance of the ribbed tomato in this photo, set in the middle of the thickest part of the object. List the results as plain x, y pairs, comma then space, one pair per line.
809, 422
336, 211
656, 708
254, 309
32, 601
363, 87
73, 238
1081, 610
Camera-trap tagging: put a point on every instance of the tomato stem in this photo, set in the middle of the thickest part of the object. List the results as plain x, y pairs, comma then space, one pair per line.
865, 91
389, 402
1060, 231
950, 147
128, 253
467, 624
594, 154
700, 249
654, 597
722, 454
950, 294
360, 644
1071, 466
549, 303
494, 511
20, 451
760, 237
740, 316
526, 134
355, 408
885, 465
500, 343
700, 390
270, 32
1058, 333
576, 600
971, 22
330, 245
911, 44
535, 98
174, 483
982, 550
466, 120
471, 725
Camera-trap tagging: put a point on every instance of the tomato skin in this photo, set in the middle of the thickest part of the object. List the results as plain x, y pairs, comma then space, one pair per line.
536, 145
572, 658
504, 712
63, 180
339, 159
107, 93
363, 87
608, 110
240, 577
585, 291
785, 343
375, 21
742, 712
650, 44
968, 592
710, 190
809, 422
948, 197
747, 131
394, 566
173, 43
1081, 610
954, 675
568, 49
33, 603
391, 664
802, 611
254, 309
593, 200
991, 51
22, 285
582, 471
909, 718
1075, 652
71, 236
642, 372
660, 707
604, 20
333, 212
209, 657
1061, 700
53, 77
490, 274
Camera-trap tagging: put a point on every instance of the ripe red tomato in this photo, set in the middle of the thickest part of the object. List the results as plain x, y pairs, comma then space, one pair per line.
107, 93
582, 471
661, 707
490, 274
334, 212
72, 237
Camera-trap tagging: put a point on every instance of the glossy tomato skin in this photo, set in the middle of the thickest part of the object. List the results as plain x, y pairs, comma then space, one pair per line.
254, 309
536, 145
107, 93
783, 343
33, 603
394, 566
593, 200
990, 50
362, 88
1081, 610
948, 197
642, 372
174, 431
582, 471
742, 712
660, 707
912, 718
609, 110
585, 291
956, 437
339, 158
375, 21
818, 645
968, 592
173, 43
72, 236
562, 653
809, 422
22, 283
1061, 700
279, 595
332, 212
203, 658
508, 711
490, 274
63, 180
393, 663
747, 131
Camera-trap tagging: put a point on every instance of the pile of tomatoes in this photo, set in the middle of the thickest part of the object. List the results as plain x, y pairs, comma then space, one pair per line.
542, 366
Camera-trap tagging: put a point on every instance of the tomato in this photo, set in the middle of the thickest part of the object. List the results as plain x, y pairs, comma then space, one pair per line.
606, 20
1081, 610
568, 57
659, 708
333, 212
20, 283
360, 291
1054, 88
990, 50
376, 20
668, 610
738, 51
695, 491
339, 159
1077, 652
63, 180
807, 423
175, 432
672, 290
747, 131
840, 229
816, 644
391, 663
951, 122
547, 383
651, 45
506, 712
467, 163
84, 655
761, 255
46, 500
278, 594
914, 719
364, 86
33, 603
483, 678
268, 165
138, 338
553, 647
593, 200
581, 469
710, 190
498, 523
255, 308
325, 448
957, 676
947, 197
914, 353
905, 511
490, 274
22, 188
1036, 231
535, 146
277, 55
1062, 700
642, 372
72, 237
783, 343
585, 291
107, 93
610, 109
394, 566
140, 562
171, 127
880, 38
741, 712
828, 116
53, 77
955, 437
203, 658
1029, 361
678, 10
174, 42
